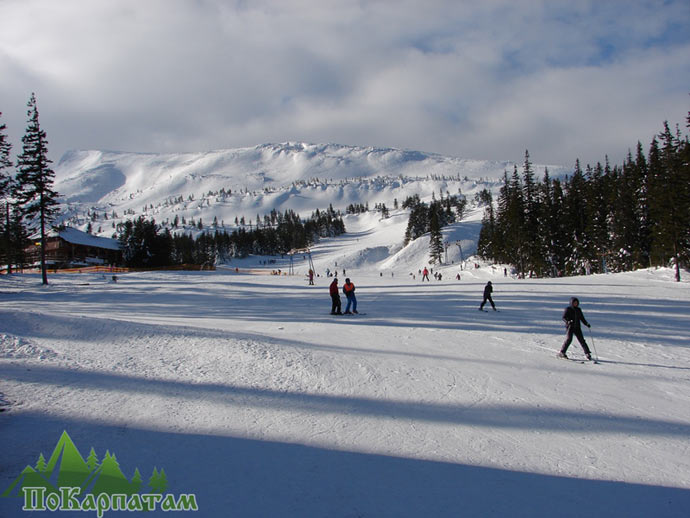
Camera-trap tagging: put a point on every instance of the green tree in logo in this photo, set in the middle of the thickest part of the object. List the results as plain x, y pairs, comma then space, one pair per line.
110, 479
158, 482
41, 465
92, 460
136, 481
67, 468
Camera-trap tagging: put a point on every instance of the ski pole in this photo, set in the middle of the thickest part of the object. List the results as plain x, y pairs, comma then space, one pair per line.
591, 337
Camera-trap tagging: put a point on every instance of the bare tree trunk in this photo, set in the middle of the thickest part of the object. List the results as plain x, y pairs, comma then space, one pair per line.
8, 238
44, 273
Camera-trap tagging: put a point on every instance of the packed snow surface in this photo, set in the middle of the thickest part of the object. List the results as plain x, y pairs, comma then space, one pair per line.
251, 395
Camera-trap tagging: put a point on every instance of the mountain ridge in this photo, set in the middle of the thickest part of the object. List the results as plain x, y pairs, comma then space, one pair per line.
188, 192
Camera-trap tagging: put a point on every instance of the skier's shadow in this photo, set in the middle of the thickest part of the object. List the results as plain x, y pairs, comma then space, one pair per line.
653, 365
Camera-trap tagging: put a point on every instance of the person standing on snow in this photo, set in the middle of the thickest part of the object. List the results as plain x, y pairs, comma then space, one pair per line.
349, 291
488, 290
572, 316
335, 298
425, 274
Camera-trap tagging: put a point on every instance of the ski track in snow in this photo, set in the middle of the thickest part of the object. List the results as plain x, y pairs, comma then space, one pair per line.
424, 405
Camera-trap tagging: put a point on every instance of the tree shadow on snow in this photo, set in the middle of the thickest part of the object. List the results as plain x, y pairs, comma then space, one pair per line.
233, 476
510, 417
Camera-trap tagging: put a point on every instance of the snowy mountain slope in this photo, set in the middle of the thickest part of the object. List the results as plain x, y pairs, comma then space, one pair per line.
269, 165
236, 183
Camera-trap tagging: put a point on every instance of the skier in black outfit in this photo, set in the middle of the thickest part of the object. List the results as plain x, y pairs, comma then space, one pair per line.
572, 316
488, 290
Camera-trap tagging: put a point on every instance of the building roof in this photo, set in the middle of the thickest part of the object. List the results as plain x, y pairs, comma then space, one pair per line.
77, 237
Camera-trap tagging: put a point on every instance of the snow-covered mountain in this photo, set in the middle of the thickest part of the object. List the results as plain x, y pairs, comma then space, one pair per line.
233, 183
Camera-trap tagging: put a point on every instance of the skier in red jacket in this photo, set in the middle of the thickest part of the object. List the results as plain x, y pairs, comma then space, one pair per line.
335, 298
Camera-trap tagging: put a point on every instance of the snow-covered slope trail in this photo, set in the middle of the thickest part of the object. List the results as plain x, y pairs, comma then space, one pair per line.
252, 396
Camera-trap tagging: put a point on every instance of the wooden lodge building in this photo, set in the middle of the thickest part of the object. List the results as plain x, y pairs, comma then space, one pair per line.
71, 247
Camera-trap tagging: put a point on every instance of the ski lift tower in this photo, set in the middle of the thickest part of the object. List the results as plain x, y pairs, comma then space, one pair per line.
305, 251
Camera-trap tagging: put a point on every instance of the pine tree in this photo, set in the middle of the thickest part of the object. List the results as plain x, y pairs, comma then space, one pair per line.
597, 210
548, 226
624, 246
576, 217
486, 245
19, 237
34, 181
671, 229
533, 262
5, 163
512, 222
5, 191
559, 238
640, 181
435, 239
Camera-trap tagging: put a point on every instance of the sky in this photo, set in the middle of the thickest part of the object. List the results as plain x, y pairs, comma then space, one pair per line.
489, 79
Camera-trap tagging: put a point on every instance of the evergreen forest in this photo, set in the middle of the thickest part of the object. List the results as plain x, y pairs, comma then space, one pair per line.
603, 218
146, 244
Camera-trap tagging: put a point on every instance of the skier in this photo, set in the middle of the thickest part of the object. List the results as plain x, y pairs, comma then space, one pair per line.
349, 291
311, 277
425, 275
335, 298
488, 290
572, 316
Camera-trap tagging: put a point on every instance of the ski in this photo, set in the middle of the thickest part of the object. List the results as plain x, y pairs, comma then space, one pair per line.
576, 360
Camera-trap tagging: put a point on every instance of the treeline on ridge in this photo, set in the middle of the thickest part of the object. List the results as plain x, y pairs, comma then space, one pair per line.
145, 244
601, 219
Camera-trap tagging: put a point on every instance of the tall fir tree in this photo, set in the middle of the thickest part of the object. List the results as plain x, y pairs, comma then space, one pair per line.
640, 181
435, 238
5, 163
576, 220
33, 188
532, 209
516, 229
596, 215
623, 226
5, 191
488, 240
672, 199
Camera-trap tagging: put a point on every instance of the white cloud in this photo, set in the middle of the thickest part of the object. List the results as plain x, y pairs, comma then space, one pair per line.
477, 79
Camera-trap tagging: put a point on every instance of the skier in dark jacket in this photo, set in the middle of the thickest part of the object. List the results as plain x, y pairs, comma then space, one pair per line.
488, 290
572, 316
335, 298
